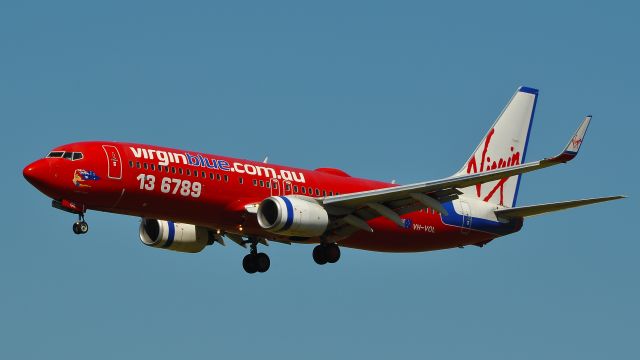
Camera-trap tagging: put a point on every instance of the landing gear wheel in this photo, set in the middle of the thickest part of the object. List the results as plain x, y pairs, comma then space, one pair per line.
332, 253
76, 228
319, 255
249, 264
326, 253
255, 261
262, 262
80, 227
84, 227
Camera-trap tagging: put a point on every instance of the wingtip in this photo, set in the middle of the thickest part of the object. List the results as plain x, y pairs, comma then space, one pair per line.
528, 90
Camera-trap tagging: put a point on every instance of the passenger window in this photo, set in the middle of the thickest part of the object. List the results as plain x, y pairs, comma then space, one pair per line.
240, 180
324, 193
145, 166
261, 183
268, 184
218, 177
226, 178
138, 164
275, 184
173, 169
303, 189
317, 192
330, 193
130, 163
153, 167
195, 173
295, 188
287, 186
203, 174
188, 172
211, 176
180, 171
255, 182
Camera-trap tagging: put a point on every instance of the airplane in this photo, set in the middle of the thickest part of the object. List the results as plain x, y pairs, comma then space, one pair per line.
188, 200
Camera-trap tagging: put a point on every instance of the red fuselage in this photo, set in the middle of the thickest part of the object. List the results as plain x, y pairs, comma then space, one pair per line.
212, 191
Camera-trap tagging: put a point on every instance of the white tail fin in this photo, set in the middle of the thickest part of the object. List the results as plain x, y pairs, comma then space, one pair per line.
504, 145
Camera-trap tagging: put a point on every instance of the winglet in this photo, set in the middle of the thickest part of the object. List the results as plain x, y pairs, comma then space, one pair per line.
572, 148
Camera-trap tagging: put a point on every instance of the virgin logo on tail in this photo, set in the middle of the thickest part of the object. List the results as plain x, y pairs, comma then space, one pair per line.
487, 164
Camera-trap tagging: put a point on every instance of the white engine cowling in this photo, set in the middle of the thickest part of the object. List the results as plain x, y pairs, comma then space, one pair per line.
294, 216
174, 236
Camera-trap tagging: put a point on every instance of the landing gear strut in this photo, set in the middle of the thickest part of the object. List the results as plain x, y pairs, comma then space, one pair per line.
255, 261
80, 227
326, 253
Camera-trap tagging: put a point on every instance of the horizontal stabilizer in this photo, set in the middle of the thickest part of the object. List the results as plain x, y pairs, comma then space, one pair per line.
532, 210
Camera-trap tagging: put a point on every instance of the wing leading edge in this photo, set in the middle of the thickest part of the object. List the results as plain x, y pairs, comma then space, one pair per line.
412, 191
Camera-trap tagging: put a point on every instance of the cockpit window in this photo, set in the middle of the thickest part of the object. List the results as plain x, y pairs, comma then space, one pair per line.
66, 155
55, 154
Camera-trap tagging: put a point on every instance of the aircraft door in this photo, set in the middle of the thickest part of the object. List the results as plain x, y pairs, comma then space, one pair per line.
275, 187
466, 217
287, 188
114, 166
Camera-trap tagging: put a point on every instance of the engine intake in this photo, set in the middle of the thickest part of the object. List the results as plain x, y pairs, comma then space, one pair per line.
174, 236
293, 216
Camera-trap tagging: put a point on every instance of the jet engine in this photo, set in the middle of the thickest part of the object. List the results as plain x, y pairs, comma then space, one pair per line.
174, 236
293, 216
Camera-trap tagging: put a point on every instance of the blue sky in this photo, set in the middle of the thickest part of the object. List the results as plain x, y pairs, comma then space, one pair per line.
384, 90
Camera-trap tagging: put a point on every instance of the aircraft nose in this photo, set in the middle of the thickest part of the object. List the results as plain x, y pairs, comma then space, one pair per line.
37, 173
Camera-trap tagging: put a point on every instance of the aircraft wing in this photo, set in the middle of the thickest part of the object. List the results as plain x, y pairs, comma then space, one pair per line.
533, 210
357, 208
357, 199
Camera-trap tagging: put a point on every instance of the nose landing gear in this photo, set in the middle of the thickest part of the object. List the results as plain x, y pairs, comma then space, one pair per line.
255, 261
80, 227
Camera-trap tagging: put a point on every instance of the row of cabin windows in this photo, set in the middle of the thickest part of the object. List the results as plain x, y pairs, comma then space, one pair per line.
212, 176
296, 190
179, 170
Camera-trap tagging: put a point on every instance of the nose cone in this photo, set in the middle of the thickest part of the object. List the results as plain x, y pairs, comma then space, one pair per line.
38, 173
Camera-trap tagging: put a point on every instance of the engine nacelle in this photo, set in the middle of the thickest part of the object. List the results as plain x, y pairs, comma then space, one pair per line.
294, 216
174, 236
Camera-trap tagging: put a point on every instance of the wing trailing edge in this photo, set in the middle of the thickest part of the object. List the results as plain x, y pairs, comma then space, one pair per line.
533, 210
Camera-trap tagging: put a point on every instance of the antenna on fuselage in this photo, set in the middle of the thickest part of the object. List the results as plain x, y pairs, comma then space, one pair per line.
266, 158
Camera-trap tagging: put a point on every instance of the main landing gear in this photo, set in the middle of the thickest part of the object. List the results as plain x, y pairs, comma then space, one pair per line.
326, 253
80, 227
255, 261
